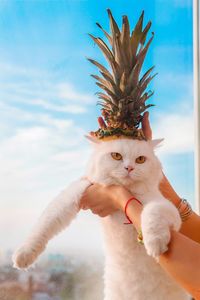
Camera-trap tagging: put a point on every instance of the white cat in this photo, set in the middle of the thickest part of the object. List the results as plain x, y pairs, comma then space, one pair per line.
131, 271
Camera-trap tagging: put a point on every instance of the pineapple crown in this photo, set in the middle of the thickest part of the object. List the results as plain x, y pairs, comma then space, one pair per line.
123, 96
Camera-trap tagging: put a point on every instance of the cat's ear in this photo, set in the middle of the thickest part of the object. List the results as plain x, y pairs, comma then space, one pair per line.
92, 139
156, 143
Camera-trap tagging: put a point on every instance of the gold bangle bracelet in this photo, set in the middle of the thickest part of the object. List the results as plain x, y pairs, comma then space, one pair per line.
185, 209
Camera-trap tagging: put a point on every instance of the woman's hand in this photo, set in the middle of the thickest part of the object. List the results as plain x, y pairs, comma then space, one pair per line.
146, 128
104, 201
99, 199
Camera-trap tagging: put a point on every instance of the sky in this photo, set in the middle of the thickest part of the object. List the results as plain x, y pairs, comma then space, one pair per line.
48, 103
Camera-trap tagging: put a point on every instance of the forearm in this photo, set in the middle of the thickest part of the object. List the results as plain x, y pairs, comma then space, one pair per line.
190, 227
181, 261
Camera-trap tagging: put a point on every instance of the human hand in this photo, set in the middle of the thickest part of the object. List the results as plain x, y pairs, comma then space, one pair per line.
146, 128
104, 200
100, 200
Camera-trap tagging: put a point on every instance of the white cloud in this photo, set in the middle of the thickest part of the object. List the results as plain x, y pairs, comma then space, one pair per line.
174, 80
36, 147
19, 85
9, 70
37, 162
177, 129
70, 108
68, 92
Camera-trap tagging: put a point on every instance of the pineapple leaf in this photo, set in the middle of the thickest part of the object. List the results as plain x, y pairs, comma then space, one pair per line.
145, 83
133, 78
136, 35
103, 96
117, 50
146, 74
111, 86
106, 34
144, 50
112, 82
145, 32
102, 45
101, 80
113, 25
108, 54
101, 67
107, 90
123, 82
125, 35
125, 40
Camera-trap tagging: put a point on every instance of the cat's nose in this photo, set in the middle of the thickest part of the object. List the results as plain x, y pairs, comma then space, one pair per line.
129, 168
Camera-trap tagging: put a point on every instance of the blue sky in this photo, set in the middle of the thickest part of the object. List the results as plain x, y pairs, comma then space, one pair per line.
48, 101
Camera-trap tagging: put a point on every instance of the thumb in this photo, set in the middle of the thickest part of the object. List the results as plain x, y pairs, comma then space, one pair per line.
146, 126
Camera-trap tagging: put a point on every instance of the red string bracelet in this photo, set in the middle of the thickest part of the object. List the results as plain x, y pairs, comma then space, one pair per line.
125, 209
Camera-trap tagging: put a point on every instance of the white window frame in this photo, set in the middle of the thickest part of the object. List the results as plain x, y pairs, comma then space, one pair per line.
196, 64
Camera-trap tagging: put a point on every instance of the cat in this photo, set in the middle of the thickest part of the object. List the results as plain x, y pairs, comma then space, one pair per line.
131, 269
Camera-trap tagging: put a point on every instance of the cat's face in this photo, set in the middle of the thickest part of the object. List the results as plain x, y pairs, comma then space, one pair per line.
125, 160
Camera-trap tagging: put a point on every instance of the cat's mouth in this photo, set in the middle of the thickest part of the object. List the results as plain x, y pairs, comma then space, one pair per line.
132, 177
128, 178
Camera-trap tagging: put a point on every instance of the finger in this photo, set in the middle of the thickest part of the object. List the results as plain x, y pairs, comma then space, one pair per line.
97, 210
146, 126
85, 200
104, 214
101, 213
101, 122
82, 202
84, 207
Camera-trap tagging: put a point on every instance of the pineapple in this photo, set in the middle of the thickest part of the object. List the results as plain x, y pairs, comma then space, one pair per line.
123, 96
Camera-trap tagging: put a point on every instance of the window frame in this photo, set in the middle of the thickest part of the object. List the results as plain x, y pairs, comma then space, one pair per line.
196, 68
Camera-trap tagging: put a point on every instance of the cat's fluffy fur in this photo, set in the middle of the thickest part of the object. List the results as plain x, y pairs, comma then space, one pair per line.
131, 271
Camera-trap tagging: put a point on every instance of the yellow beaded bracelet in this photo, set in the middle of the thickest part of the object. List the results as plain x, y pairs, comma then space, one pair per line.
140, 237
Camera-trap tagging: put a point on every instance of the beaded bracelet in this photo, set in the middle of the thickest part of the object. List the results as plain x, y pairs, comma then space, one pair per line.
140, 237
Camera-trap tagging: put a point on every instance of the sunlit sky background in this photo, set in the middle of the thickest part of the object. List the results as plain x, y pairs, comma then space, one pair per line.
48, 102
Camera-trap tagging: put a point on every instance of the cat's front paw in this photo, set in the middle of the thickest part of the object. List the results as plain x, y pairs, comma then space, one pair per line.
24, 257
157, 220
156, 243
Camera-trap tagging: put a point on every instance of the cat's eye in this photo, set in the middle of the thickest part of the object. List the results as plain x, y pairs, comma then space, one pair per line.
140, 159
116, 156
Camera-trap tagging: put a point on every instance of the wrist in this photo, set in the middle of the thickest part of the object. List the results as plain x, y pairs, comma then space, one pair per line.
176, 200
120, 197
